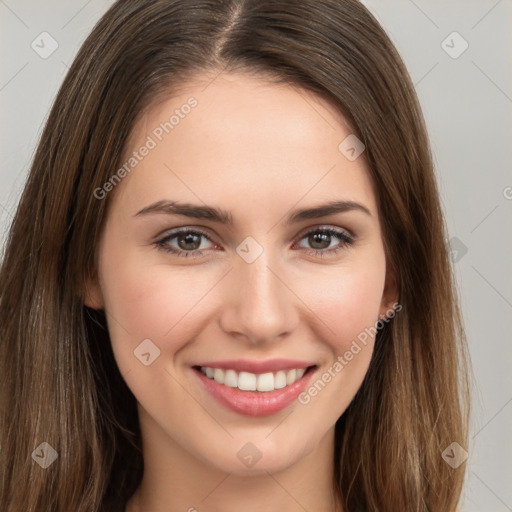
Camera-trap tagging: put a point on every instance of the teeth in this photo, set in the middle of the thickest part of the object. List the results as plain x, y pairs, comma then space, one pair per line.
218, 375
265, 382
246, 381
251, 382
280, 380
230, 378
291, 376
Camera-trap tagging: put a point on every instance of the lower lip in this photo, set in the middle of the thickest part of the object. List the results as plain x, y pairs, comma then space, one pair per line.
255, 403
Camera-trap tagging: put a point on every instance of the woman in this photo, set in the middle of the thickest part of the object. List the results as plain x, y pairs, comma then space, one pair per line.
226, 285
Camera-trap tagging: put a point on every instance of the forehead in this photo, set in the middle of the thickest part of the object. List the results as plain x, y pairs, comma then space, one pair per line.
243, 137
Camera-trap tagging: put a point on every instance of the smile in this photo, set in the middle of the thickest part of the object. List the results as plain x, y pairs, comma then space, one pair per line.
247, 381
254, 388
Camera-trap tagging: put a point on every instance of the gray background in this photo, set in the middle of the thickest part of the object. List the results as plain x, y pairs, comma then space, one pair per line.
467, 103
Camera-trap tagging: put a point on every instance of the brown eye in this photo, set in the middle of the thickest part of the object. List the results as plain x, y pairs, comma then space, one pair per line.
188, 243
320, 240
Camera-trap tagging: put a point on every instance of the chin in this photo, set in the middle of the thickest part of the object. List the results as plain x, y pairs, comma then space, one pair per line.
243, 457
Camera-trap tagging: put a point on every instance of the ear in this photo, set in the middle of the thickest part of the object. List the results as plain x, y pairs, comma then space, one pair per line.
390, 294
92, 296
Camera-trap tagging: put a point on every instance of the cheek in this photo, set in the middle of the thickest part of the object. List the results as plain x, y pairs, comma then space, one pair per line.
347, 303
148, 302
152, 301
346, 300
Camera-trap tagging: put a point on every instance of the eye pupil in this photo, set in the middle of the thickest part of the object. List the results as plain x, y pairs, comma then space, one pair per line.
191, 241
320, 238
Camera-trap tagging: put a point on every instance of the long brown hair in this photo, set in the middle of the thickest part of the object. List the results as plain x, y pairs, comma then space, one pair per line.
59, 380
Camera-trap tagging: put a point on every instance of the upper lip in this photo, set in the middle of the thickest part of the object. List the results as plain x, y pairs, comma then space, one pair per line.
253, 366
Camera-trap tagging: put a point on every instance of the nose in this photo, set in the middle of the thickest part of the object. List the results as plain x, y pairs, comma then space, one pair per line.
259, 304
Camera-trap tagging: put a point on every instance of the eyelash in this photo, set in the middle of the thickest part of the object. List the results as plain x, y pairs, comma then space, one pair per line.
345, 241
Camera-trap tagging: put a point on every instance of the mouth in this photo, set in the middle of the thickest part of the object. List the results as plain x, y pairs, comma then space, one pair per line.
252, 393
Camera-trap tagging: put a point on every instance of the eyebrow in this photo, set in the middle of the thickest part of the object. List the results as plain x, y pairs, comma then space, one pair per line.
223, 217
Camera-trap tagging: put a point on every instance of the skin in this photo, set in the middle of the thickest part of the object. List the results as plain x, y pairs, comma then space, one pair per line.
260, 151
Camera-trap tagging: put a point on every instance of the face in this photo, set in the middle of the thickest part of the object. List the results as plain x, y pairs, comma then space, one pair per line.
215, 258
